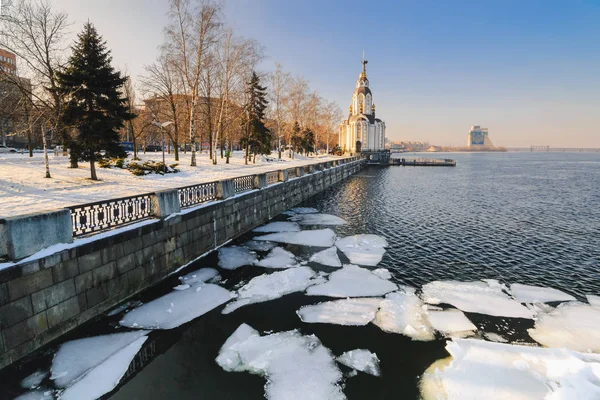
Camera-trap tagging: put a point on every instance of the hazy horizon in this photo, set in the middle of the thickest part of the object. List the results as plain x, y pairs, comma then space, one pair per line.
526, 71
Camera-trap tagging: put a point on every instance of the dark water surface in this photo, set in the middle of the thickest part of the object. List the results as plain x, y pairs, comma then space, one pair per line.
532, 218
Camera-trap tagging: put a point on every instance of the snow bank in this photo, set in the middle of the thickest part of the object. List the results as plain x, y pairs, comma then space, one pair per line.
200, 276
315, 238
575, 326
177, 308
296, 367
475, 297
272, 286
353, 281
361, 360
278, 227
537, 294
350, 312
327, 257
404, 313
363, 249
451, 322
278, 258
235, 256
320, 219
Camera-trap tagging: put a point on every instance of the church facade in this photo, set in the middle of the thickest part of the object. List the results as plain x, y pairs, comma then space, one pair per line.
362, 131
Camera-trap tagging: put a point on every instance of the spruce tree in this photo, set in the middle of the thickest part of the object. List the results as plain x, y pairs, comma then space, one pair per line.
308, 141
258, 136
96, 108
296, 139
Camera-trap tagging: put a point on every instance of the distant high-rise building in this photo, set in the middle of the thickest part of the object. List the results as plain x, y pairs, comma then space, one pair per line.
8, 62
478, 137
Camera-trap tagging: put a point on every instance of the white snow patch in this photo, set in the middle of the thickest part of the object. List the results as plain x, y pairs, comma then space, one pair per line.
272, 286
321, 219
475, 297
537, 294
353, 281
235, 256
361, 360
452, 322
201, 275
315, 238
349, 312
278, 258
259, 246
593, 300
34, 380
574, 325
278, 227
363, 249
327, 257
404, 313
177, 308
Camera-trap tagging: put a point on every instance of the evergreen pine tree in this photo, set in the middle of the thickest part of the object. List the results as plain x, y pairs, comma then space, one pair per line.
96, 108
258, 137
308, 141
296, 138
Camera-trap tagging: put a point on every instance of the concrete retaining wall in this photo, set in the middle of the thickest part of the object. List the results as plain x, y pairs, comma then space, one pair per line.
41, 300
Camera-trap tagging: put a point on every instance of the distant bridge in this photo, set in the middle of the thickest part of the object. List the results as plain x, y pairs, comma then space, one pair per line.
535, 148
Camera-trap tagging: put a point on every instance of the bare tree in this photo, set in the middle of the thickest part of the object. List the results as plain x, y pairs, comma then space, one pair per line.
279, 81
294, 102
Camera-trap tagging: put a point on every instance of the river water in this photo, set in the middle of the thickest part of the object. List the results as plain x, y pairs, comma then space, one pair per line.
532, 218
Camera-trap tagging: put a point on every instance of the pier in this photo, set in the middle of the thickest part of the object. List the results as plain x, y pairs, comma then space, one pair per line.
423, 162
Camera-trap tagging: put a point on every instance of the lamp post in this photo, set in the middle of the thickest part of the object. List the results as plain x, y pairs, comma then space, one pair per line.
162, 135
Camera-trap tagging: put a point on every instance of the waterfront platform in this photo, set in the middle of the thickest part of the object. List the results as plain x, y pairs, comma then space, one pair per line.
423, 162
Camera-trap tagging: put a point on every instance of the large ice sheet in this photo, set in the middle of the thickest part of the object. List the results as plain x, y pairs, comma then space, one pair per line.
104, 377
574, 325
296, 367
475, 297
486, 370
235, 256
537, 294
321, 219
327, 257
272, 286
278, 258
363, 249
201, 275
404, 313
177, 308
361, 360
353, 281
451, 322
316, 238
593, 300
73, 359
279, 226
350, 312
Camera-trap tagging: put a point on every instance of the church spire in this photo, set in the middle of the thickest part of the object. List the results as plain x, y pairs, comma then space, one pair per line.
363, 74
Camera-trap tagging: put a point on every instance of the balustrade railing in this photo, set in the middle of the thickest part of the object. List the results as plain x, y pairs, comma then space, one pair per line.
272, 177
292, 173
243, 183
197, 194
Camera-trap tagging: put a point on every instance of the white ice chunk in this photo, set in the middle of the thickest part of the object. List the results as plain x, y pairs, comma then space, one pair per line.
486, 370
316, 238
39, 394
278, 227
350, 312
327, 257
296, 367
383, 273
201, 275
272, 286
353, 281
260, 246
494, 337
593, 300
234, 257
104, 377
321, 219
404, 313
452, 322
278, 258
75, 358
475, 297
363, 249
361, 360
537, 294
575, 326
34, 380
177, 308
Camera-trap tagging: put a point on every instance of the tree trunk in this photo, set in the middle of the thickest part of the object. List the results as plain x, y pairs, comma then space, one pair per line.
254, 159
134, 147
176, 149
46, 161
72, 157
94, 177
29, 144
247, 152
193, 131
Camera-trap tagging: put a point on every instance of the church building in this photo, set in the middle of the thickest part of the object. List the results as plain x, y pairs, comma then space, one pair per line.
362, 132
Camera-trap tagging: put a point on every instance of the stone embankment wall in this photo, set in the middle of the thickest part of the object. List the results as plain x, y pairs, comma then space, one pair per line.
42, 299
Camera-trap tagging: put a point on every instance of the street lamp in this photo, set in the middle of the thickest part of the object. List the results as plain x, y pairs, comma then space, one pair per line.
161, 126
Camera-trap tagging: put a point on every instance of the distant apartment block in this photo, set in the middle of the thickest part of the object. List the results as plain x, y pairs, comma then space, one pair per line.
8, 62
478, 137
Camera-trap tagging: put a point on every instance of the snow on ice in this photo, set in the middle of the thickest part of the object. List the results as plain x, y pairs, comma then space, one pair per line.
363, 249
234, 257
320, 219
404, 313
350, 312
361, 360
201, 275
278, 258
327, 257
353, 281
537, 294
315, 238
278, 227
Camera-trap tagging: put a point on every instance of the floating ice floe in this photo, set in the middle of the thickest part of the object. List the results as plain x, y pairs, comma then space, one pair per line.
451, 322
353, 281
177, 308
76, 357
327, 257
260, 246
201, 275
349, 312
234, 257
315, 238
278, 226
105, 376
487, 370
39, 394
34, 380
272, 286
363, 249
361, 360
320, 219
296, 367
278, 258
537, 294
383, 273
475, 297
574, 325
404, 313
593, 300
494, 337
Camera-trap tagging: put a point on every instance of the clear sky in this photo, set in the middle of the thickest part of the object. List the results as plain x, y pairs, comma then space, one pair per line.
527, 70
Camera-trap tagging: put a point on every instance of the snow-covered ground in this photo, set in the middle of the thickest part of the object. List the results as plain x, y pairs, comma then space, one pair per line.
24, 190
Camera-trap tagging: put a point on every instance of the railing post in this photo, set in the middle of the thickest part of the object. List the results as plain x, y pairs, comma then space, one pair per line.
225, 189
260, 181
283, 175
165, 203
299, 172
